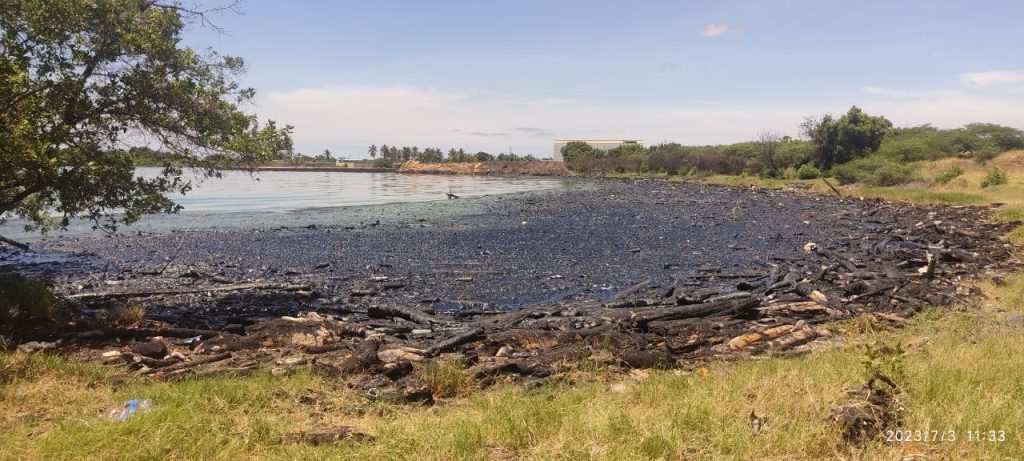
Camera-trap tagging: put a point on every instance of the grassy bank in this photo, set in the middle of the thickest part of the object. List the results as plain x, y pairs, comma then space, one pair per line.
963, 372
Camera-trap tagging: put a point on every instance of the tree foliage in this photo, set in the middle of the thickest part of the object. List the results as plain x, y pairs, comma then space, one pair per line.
81, 80
576, 149
839, 140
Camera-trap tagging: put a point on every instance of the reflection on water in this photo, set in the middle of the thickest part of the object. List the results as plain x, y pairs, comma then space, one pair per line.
284, 191
293, 198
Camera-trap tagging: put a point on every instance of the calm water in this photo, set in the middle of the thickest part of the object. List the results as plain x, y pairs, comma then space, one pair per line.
280, 198
287, 191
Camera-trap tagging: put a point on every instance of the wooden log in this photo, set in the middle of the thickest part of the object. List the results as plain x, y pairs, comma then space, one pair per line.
640, 318
830, 186
194, 363
628, 291
218, 289
380, 312
142, 333
459, 339
14, 243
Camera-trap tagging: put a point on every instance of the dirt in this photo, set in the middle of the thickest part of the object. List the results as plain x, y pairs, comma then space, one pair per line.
632, 274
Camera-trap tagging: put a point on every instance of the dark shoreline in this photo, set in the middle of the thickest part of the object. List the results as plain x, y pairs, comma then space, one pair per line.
655, 273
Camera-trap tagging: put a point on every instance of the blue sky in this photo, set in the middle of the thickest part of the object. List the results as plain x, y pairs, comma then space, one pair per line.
515, 75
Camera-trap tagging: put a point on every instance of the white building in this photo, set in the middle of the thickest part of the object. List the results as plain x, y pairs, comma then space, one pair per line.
600, 144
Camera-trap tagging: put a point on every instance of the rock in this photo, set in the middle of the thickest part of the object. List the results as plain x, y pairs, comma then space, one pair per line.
400, 354
397, 370
153, 349
418, 394
504, 351
651, 358
1016, 320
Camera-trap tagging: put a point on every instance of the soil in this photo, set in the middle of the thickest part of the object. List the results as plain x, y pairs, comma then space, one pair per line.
634, 274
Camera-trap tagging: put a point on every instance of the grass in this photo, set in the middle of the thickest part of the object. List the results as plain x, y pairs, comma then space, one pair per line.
964, 372
27, 300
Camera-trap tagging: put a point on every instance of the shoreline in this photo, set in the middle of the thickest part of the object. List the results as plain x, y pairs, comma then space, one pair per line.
524, 283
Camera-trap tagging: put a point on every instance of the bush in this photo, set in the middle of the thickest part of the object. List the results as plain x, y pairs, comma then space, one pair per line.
383, 163
949, 174
24, 299
875, 170
789, 173
995, 177
808, 171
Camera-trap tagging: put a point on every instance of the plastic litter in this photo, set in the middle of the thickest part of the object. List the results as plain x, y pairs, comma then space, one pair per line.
130, 408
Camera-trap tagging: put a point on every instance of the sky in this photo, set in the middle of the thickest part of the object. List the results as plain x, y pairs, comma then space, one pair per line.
515, 75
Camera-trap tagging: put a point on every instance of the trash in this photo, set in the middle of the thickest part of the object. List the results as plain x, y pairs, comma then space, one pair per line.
130, 408
36, 346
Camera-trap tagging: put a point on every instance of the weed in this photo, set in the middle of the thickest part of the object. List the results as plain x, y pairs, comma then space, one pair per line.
25, 299
949, 174
995, 177
447, 378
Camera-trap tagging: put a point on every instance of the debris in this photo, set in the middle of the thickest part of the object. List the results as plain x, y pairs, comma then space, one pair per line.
37, 346
130, 408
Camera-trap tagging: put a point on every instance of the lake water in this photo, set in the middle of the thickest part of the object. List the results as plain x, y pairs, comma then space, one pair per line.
291, 198
290, 191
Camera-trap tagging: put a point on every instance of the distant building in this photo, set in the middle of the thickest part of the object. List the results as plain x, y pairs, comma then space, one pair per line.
601, 144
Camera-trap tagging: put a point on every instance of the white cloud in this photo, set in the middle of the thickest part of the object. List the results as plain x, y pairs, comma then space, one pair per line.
904, 94
345, 118
715, 30
994, 78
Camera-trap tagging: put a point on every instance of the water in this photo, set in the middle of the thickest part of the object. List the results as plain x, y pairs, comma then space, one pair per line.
292, 198
290, 191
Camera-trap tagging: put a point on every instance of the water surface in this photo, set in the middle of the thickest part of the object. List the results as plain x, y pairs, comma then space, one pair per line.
294, 198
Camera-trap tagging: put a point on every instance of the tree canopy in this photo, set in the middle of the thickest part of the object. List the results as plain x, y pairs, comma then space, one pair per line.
839, 140
81, 80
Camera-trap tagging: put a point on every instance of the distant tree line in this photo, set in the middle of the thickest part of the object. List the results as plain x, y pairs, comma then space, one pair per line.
854, 147
388, 156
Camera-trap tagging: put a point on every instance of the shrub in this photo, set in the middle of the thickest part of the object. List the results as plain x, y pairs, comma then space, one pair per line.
995, 177
949, 174
808, 171
875, 170
789, 173
24, 299
447, 378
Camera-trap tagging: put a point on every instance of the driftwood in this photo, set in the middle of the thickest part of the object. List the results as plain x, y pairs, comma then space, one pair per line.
218, 289
142, 333
14, 243
640, 318
455, 341
195, 363
830, 186
380, 312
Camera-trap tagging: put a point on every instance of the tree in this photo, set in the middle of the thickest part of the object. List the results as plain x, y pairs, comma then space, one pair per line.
484, 157
81, 79
853, 135
575, 149
767, 146
373, 150
326, 156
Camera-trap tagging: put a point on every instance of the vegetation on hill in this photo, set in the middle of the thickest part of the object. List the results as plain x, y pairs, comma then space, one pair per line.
853, 148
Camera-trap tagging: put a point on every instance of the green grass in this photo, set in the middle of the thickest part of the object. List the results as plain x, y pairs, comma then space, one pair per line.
921, 195
963, 372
